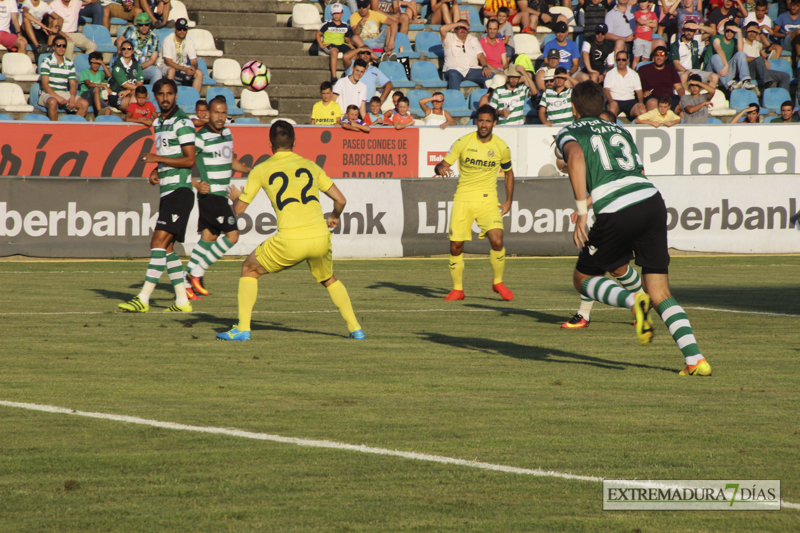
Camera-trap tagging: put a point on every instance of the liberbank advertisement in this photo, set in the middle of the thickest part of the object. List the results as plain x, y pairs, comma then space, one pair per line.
115, 217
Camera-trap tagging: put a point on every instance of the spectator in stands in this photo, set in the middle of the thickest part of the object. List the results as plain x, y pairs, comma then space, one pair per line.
463, 56
400, 117
668, 20
94, 10
506, 32
787, 29
373, 77
69, 11
333, 37
757, 61
760, 17
374, 117
444, 12
509, 100
646, 23
623, 89
787, 113
41, 25
660, 78
686, 57
59, 83
570, 54
157, 10
619, 22
93, 81
141, 109
695, 105
540, 15
688, 13
752, 115
395, 97
179, 55
9, 15
350, 91
552, 59
438, 115
594, 14
121, 9
145, 45
598, 55
374, 29
351, 121
326, 112
661, 115
392, 9
726, 13
516, 14
126, 75
724, 56
555, 107
493, 48
201, 114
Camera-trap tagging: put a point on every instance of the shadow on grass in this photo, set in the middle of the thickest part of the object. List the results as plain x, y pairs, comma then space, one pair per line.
784, 300
134, 290
220, 324
419, 290
534, 353
537, 315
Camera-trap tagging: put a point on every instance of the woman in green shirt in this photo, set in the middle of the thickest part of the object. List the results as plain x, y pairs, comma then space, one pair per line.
126, 75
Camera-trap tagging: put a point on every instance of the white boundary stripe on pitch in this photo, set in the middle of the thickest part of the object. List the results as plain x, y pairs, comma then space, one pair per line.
326, 444
451, 310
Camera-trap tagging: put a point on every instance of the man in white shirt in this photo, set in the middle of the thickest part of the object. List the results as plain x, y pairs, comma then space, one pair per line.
350, 91
179, 57
40, 25
463, 56
623, 89
69, 11
9, 15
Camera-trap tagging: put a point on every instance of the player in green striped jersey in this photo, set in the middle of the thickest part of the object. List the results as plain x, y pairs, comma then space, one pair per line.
175, 136
216, 163
630, 216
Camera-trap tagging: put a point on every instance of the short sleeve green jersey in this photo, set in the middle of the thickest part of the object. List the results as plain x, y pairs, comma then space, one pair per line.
614, 171
215, 159
171, 134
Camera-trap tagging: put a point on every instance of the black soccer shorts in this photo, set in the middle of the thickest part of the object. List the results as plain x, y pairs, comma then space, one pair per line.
173, 212
216, 214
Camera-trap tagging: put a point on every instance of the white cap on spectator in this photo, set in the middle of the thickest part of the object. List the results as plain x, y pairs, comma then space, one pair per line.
497, 81
550, 74
337, 8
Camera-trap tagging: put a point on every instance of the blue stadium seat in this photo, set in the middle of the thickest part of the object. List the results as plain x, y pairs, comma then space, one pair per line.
455, 104
774, 97
188, 97
32, 117
547, 38
3, 116
35, 93
345, 15
248, 120
207, 79
2, 77
100, 36
742, 98
642, 63
118, 21
414, 96
71, 118
42, 58
396, 73
233, 109
474, 98
475, 23
782, 65
424, 73
772, 11
81, 63
427, 40
771, 120
108, 118
714, 120
401, 40
162, 33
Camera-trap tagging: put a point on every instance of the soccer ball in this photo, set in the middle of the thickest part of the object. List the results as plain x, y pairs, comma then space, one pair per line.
255, 76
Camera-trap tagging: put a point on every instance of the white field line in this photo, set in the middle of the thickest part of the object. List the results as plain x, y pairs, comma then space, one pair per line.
331, 445
451, 310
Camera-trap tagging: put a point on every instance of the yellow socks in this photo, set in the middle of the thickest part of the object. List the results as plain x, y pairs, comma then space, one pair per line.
498, 261
457, 271
342, 300
248, 292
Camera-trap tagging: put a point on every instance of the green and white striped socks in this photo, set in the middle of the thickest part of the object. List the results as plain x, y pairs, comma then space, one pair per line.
676, 320
630, 281
198, 254
175, 271
158, 262
608, 292
205, 254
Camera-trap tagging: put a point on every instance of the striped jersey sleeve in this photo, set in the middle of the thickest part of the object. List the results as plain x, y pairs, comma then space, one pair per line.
215, 159
171, 135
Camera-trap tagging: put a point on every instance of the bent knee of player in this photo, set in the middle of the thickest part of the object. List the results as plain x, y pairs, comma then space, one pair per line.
577, 280
657, 287
456, 247
251, 268
330, 281
232, 236
621, 271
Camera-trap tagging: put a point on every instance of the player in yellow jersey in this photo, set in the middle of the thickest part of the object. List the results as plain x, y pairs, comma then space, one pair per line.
478, 155
292, 184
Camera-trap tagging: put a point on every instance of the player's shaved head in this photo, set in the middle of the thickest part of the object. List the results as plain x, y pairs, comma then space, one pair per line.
281, 136
588, 99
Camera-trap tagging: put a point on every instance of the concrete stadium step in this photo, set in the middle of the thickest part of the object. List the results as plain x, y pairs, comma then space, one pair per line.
205, 19
234, 47
281, 91
240, 6
259, 33
283, 62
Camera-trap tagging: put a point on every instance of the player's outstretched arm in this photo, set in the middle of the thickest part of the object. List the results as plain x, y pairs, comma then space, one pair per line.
185, 161
339, 202
239, 167
509, 182
239, 206
576, 166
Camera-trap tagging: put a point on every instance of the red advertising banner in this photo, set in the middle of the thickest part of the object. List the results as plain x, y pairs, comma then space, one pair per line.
115, 150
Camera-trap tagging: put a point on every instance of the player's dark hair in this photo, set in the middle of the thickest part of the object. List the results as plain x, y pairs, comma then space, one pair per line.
503, 9
375, 100
59, 38
664, 99
588, 99
751, 24
127, 42
487, 110
403, 99
696, 77
437, 93
165, 81
761, 3
219, 99
359, 63
96, 56
490, 21
141, 89
281, 135
789, 103
352, 107
608, 116
560, 70
325, 85
398, 94
200, 103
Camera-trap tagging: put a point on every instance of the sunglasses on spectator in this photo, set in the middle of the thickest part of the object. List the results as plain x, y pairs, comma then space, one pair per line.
660, 54
143, 25
127, 48
622, 59
59, 46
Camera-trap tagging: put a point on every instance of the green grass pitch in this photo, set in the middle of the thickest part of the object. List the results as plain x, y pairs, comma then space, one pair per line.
483, 380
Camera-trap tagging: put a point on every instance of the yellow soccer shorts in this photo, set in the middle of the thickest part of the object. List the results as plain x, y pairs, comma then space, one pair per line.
486, 212
279, 253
